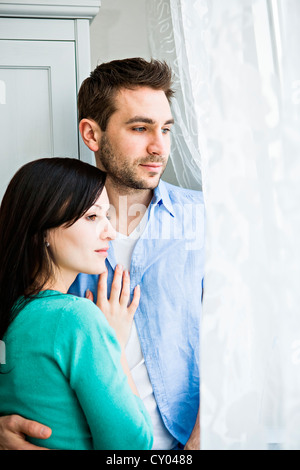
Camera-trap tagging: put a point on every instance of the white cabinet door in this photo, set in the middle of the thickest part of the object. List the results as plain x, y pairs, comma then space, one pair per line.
38, 114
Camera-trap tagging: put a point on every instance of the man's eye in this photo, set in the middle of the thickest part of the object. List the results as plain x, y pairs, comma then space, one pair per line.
139, 129
166, 130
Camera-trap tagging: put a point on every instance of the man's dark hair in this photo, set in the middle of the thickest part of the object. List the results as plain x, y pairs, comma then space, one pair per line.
96, 97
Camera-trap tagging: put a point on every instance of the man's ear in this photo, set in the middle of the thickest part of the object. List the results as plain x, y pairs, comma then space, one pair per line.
90, 133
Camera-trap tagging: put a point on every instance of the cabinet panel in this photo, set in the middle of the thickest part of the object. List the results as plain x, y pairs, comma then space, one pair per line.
25, 118
38, 115
42, 29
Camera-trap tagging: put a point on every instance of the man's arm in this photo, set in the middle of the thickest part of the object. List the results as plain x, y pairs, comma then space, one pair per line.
14, 429
194, 440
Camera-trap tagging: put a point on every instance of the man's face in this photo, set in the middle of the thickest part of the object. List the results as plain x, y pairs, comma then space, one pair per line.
135, 147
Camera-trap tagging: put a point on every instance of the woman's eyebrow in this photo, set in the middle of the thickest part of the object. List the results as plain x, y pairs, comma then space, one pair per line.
104, 207
96, 205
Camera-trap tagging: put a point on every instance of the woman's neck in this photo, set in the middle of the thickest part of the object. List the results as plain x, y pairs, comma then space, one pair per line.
56, 286
60, 281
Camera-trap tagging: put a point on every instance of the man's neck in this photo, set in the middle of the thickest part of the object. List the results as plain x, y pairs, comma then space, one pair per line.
128, 206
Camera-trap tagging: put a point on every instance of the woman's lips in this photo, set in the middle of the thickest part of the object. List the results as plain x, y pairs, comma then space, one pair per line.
102, 251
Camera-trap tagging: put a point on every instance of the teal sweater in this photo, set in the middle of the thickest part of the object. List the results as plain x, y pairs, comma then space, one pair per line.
63, 370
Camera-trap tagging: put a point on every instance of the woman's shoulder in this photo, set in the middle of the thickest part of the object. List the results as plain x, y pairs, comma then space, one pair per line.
78, 304
52, 300
56, 307
82, 324
81, 313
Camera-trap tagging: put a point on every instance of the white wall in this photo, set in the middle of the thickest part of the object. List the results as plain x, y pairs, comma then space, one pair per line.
119, 31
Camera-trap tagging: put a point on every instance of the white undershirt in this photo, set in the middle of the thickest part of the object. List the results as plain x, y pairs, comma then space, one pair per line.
123, 247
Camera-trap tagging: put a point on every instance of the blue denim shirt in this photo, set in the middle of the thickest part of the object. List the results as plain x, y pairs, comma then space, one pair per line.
168, 264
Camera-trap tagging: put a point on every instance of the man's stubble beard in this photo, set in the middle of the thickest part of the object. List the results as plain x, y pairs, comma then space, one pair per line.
121, 176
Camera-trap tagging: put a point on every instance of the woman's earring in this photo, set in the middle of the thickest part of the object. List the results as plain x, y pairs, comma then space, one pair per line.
47, 244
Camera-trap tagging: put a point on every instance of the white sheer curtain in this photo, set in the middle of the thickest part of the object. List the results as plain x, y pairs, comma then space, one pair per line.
237, 70
166, 35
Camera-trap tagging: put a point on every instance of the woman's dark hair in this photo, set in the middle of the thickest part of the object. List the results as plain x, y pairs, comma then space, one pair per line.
44, 194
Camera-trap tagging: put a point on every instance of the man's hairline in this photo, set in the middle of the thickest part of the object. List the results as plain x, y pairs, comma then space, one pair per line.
135, 87
115, 108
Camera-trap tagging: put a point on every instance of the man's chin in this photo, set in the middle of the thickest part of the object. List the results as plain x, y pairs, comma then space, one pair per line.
150, 183
142, 183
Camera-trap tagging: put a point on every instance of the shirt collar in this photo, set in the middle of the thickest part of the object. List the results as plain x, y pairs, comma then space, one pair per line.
161, 197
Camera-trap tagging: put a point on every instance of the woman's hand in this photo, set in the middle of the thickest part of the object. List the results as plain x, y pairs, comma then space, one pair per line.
116, 309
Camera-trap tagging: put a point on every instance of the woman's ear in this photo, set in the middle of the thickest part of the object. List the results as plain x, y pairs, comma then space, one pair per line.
90, 133
47, 236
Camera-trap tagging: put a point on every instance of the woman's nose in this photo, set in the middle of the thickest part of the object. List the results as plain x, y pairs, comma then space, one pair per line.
109, 232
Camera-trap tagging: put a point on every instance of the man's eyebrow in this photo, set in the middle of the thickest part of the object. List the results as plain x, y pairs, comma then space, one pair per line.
146, 120
170, 121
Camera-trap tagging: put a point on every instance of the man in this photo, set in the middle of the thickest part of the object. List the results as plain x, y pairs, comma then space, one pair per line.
125, 119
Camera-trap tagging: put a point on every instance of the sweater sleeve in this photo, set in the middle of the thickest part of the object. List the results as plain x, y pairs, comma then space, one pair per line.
88, 353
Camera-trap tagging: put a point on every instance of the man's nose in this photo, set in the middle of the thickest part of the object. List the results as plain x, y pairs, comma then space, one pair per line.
158, 144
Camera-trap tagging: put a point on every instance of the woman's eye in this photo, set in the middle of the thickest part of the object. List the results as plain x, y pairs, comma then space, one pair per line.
166, 130
91, 217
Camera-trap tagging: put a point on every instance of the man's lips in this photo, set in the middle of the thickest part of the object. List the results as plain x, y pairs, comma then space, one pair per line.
152, 166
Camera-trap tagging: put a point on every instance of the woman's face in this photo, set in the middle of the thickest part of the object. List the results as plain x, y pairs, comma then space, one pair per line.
83, 246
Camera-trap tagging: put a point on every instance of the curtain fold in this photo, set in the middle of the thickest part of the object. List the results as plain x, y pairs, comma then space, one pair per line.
237, 136
166, 31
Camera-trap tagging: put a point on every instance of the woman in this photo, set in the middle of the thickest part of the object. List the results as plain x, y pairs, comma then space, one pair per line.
65, 365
